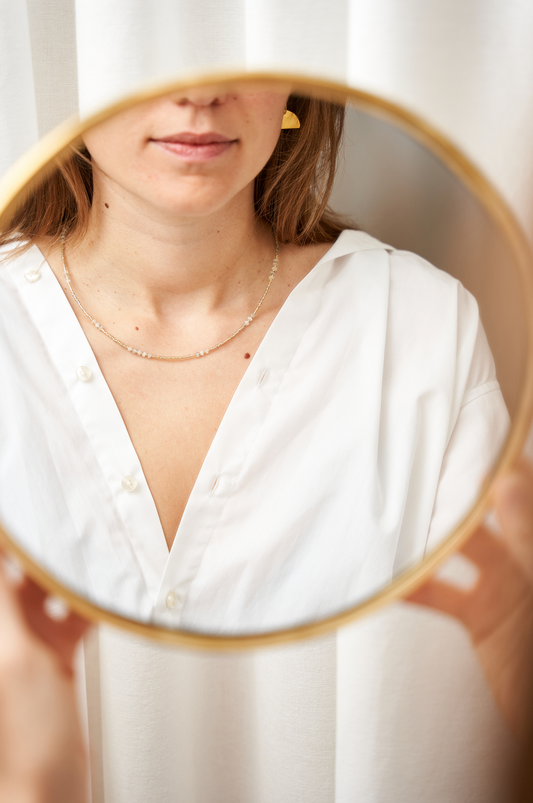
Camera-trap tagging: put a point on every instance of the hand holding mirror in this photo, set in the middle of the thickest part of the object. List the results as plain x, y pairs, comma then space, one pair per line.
331, 461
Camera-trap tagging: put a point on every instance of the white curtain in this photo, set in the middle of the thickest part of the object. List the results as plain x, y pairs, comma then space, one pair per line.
464, 65
169, 725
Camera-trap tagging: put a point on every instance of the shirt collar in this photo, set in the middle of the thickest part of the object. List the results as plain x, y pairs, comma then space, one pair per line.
350, 241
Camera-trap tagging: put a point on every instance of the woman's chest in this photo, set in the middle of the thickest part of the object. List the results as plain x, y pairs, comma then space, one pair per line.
172, 411
306, 465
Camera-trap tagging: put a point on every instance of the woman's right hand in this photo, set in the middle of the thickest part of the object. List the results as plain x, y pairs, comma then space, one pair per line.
498, 610
42, 754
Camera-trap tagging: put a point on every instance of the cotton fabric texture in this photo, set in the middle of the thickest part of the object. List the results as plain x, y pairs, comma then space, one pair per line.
356, 439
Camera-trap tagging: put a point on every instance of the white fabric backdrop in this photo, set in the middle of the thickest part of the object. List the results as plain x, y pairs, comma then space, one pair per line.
263, 727
465, 65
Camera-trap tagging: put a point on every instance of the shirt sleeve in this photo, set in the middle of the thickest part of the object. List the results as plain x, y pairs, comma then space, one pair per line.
475, 442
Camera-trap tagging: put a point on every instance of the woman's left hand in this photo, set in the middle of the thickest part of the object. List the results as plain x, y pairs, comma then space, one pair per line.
498, 610
42, 754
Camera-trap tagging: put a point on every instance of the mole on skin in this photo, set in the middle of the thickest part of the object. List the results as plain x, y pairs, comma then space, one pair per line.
246, 356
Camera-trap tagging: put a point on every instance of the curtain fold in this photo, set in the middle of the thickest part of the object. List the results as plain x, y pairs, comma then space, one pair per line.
466, 67
18, 117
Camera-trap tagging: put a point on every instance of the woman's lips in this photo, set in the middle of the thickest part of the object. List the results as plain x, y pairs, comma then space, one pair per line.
195, 147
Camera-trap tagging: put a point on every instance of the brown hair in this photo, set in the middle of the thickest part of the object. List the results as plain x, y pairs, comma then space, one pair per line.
291, 191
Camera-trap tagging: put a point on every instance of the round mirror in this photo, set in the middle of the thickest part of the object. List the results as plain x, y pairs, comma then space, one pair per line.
230, 416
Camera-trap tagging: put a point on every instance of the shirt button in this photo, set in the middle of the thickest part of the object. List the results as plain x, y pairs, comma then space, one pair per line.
172, 599
32, 275
84, 373
129, 483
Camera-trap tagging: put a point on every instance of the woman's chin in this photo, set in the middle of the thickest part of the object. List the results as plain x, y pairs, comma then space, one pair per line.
201, 206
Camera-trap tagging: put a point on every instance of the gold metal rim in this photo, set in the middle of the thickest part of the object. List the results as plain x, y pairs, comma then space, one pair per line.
35, 163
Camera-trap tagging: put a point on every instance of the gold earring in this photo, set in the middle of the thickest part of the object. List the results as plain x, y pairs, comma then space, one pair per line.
290, 120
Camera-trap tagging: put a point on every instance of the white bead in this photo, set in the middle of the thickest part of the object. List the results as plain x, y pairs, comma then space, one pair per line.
144, 354
130, 348
149, 356
197, 354
171, 600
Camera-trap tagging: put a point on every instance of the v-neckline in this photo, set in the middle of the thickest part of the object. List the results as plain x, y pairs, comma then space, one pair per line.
213, 480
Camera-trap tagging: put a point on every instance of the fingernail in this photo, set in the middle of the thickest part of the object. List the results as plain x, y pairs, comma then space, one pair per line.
458, 571
13, 570
56, 608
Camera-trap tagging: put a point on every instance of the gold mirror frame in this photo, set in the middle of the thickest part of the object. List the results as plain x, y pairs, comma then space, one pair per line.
40, 159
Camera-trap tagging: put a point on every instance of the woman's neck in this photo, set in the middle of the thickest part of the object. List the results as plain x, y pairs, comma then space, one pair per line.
159, 264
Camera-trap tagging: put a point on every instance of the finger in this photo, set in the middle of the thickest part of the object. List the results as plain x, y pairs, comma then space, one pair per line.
501, 588
513, 499
12, 621
26, 604
485, 549
63, 636
442, 597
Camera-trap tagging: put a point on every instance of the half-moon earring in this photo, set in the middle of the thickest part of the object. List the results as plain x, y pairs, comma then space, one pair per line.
290, 120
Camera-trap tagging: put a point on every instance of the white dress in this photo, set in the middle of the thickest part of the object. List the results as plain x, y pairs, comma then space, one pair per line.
356, 439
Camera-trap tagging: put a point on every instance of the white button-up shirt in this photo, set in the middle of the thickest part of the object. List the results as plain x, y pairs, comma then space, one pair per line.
357, 437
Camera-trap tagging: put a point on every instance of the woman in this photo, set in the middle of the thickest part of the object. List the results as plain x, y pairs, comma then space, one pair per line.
175, 251
329, 412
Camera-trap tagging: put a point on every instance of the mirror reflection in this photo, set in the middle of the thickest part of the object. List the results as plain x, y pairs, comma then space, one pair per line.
227, 408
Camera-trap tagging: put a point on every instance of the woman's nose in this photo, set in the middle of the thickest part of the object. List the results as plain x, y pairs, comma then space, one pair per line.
203, 96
